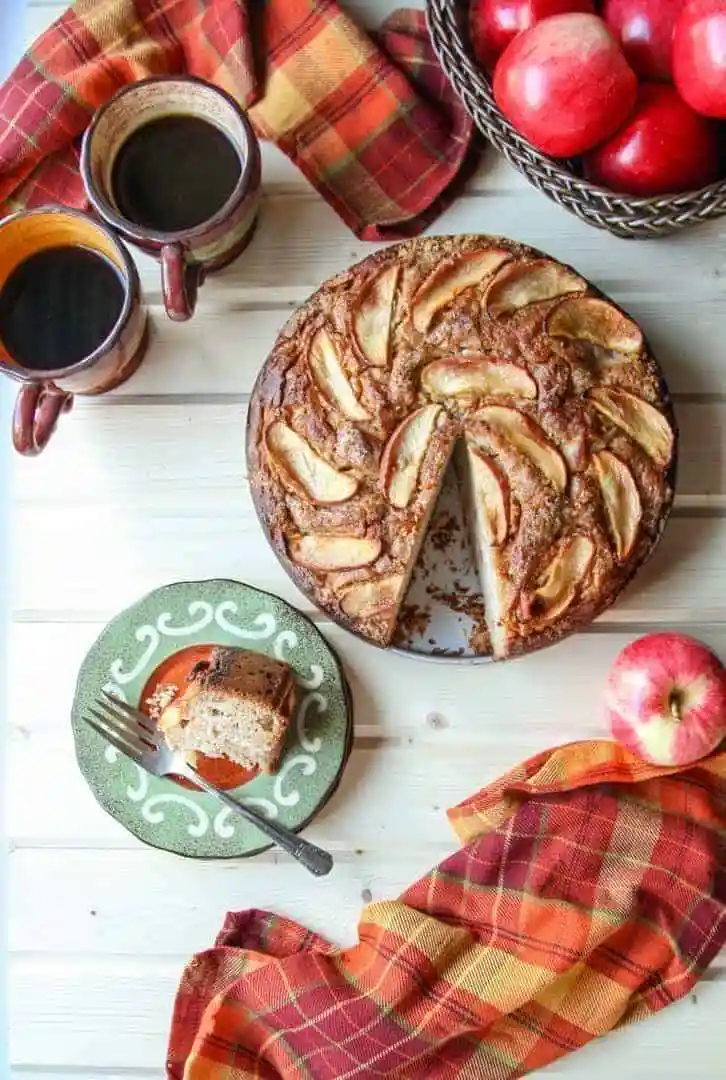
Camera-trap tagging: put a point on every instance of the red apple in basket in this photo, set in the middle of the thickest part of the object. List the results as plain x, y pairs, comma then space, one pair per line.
699, 56
665, 699
493, 23
645, 28
664, 147
565, 84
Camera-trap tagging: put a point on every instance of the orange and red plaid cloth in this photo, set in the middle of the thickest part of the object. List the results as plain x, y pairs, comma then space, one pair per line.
373, 125
591, 893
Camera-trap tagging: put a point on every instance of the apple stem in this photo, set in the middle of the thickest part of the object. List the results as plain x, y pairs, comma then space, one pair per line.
674, 703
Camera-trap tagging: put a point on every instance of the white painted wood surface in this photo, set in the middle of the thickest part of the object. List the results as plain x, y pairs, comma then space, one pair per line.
148, 486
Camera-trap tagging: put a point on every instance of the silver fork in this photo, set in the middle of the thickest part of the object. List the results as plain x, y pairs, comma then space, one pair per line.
136, 736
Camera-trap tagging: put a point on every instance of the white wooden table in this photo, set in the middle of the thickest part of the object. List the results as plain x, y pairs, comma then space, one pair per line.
147, 486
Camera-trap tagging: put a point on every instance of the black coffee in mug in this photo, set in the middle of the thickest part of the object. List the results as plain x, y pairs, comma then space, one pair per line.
174, 173
58, 306
173, 165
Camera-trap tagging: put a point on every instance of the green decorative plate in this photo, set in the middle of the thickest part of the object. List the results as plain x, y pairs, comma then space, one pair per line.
157, 809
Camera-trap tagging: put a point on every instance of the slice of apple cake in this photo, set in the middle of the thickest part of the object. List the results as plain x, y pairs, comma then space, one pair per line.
237, 705
566, 438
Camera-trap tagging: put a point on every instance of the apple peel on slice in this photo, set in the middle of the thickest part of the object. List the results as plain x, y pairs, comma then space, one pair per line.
520, 284
374, 314
558, 585
330, 376
621, 499
477, 376
404, 454
586, 318
490, 492
528, 438
326, 552
365, 599
305, 469
449, 279
638, 419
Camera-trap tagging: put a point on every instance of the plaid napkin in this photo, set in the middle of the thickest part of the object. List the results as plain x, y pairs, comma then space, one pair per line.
591, 893
374, 126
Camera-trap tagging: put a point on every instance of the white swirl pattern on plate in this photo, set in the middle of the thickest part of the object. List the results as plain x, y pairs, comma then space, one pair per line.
226, 831
321, 705
113, 690
144, 633
154, 816
314, 679
139, 793
264, 625
135, 794
308, 766
205, 617
286, 639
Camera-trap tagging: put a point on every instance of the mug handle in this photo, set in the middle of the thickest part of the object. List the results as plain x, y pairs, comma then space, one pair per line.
38, 408
180, 281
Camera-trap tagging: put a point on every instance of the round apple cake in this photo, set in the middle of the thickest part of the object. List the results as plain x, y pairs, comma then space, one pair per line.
543, 390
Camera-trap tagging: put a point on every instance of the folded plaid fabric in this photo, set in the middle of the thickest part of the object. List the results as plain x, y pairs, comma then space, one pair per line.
591, 893
374, 126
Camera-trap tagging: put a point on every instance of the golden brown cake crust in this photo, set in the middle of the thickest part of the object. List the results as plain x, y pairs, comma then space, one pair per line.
558, 411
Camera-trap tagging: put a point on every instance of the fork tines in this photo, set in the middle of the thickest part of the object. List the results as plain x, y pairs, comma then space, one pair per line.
123, 727
140, 719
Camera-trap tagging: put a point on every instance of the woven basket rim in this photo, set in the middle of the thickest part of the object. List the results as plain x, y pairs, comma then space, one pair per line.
628, 215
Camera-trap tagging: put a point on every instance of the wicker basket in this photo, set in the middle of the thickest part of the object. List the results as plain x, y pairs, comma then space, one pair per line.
622, 215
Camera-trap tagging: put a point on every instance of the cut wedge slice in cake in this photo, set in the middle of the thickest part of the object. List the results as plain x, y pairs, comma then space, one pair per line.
412, 470
487, 502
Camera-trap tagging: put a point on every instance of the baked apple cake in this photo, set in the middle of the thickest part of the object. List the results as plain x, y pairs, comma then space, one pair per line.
545, 391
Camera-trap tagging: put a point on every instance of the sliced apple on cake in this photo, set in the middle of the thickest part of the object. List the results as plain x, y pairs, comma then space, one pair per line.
332, 378
475, 377
372, 316
521, 284
449, 279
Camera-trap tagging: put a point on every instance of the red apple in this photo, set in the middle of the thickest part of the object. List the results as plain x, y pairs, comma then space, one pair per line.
699, 56
665, 699
493, 23
565, 84
645, 28
664, 147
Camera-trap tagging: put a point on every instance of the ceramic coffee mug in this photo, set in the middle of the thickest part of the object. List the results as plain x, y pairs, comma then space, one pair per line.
71, 316
173, 165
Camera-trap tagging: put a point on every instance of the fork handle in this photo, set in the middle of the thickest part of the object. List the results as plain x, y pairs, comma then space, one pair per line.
313, 858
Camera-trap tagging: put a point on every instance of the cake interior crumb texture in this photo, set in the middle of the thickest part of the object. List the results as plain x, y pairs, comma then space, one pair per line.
491, 580
239, 706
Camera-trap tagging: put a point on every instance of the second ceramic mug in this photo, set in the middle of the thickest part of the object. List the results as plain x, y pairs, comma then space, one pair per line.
161, 133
